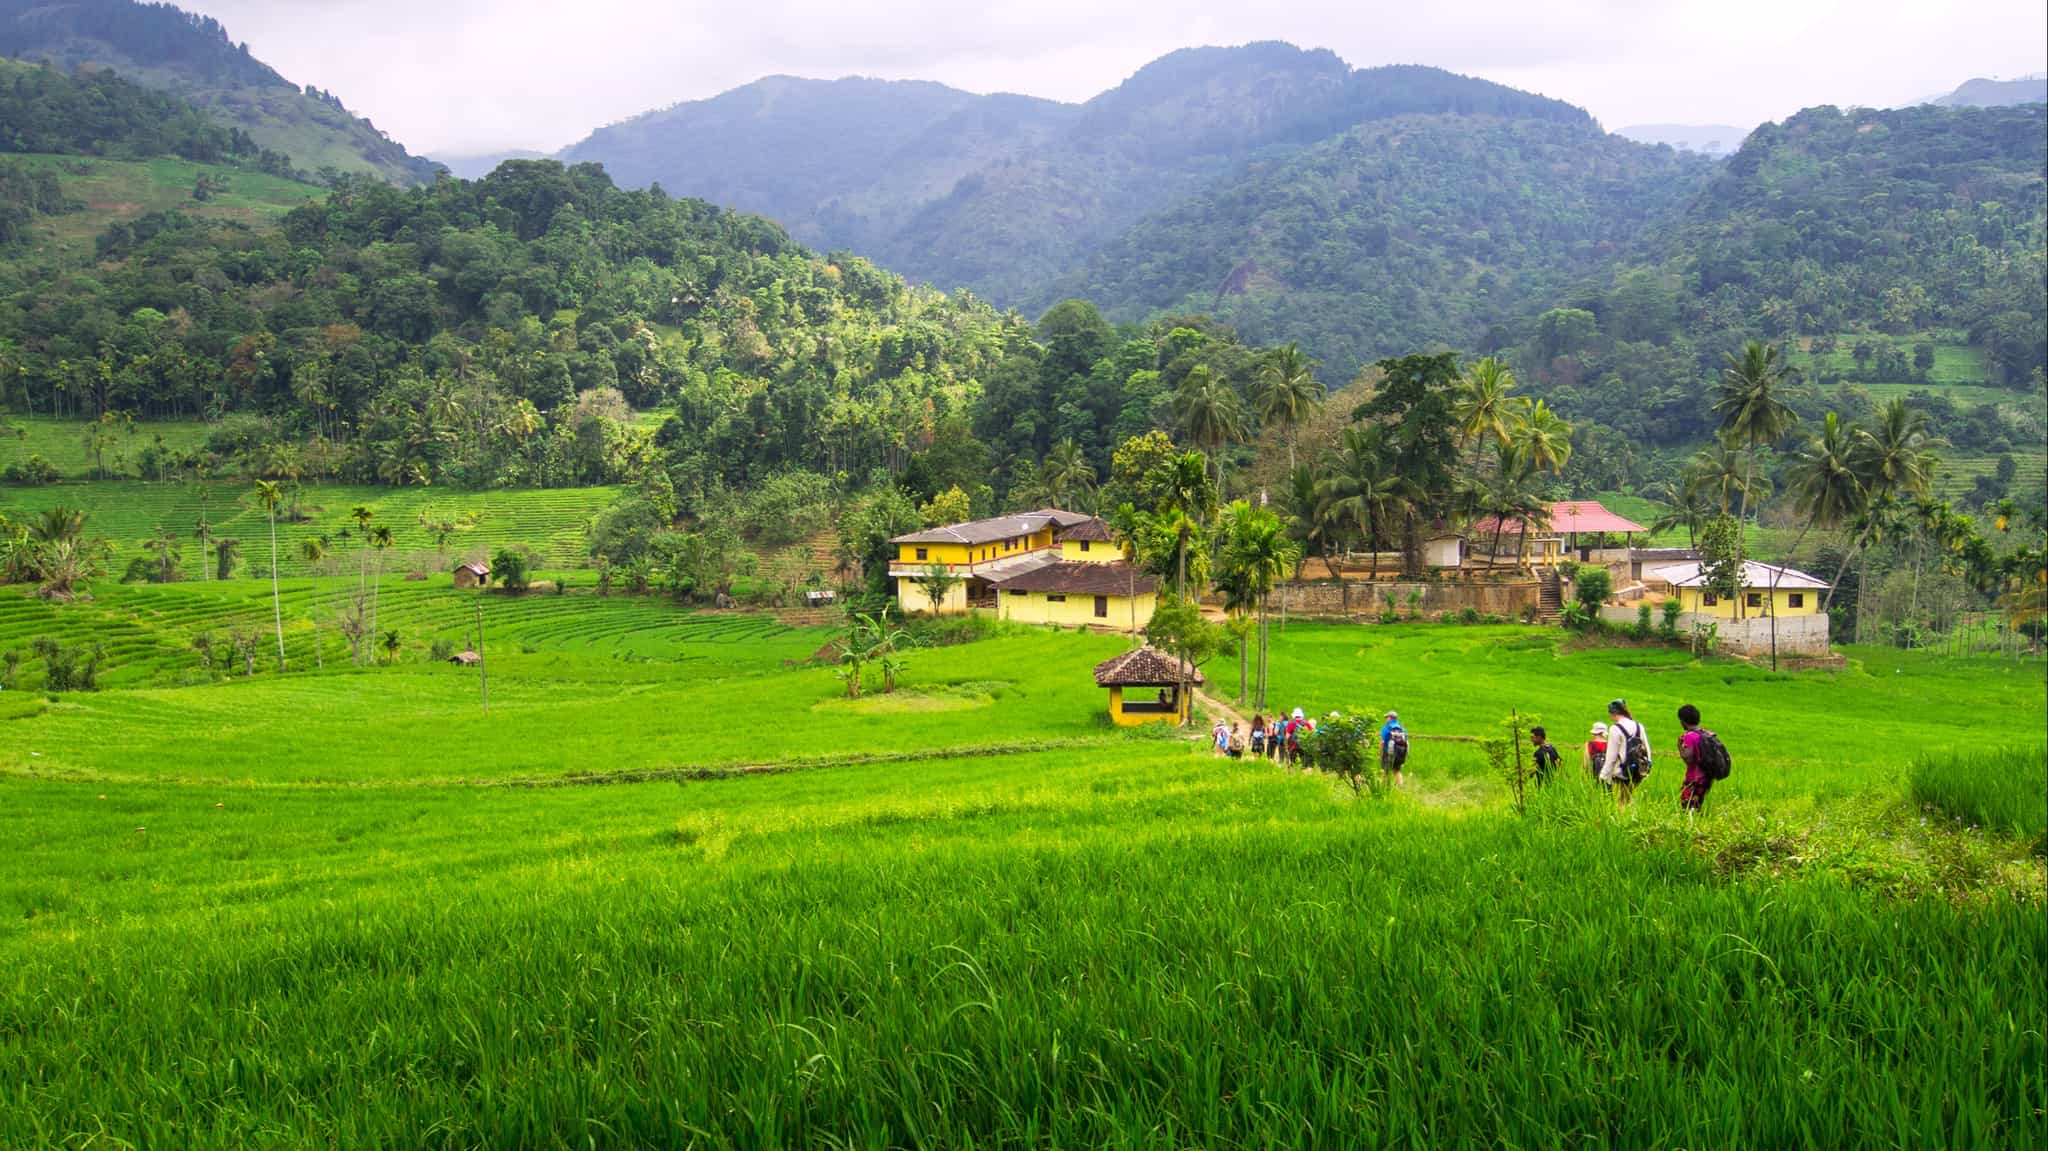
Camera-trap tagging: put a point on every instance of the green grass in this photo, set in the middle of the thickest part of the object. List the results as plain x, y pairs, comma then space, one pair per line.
549, 520
1957, 364
62, 443
308, 908
2005, 789
116, 191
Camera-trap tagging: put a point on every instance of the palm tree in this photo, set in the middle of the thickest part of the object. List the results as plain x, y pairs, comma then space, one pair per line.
380, 538
1286, 393
204, 534
1308, 522
390, 645
1826, 491
1895, 460
1258, 555
1186, 506
1209, 413
312, 549
1513, 493
1066, 477
1486, 407
1722, 469
1546, 439
1752, 408
1684, 506
1362, 485
271, 496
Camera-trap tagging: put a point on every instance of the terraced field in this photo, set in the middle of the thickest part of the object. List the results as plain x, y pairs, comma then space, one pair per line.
62, 443
549, 520
147, 631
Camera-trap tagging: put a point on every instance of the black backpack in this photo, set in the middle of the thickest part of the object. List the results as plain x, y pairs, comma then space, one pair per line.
1713, 756
1635, 752
1397, 749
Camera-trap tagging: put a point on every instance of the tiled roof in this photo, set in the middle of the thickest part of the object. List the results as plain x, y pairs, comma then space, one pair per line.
1079, 578
1566, 518
990, 531
1145, 667
1091, 529
481, 569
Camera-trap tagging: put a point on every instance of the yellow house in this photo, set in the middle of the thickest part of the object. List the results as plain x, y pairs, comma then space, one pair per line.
1144, 687
1796, 593
1104, 595
979, 552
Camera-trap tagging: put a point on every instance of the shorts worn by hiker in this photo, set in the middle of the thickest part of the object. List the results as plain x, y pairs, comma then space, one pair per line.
1694, 793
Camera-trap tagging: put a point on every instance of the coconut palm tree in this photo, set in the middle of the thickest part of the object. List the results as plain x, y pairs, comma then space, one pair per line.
1752, 407
1186, 506
1684, 506
1486, 407
1257, 555
203, 532
1209, 414
390, 644
1513, 492
271, 496
1895, 460
1722, 470
380, 538
1545, 439
1308, 522
1286, 393
1362, 486
1066, 478
1826, 491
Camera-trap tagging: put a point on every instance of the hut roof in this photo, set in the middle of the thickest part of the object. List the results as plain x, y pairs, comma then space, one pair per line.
1078, 578
1145, 667
466, 658
477, 567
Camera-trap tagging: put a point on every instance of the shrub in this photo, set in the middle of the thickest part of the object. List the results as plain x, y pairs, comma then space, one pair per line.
787, 507
1641, 630
1347, 745
1590, 587
2001, 789
69, 667
509, 568
34, 471
444, 650
1469, 616
1667, 627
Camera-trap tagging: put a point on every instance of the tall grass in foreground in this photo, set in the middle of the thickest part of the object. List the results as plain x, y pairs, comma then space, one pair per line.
2006, 789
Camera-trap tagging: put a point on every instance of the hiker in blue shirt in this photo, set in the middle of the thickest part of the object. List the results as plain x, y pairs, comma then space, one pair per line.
1393, 747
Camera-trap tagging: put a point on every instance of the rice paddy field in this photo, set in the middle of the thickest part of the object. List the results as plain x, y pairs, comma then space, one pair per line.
128, 512
675, 889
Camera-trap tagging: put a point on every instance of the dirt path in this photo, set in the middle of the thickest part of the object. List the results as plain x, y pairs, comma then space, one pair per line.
1218, 707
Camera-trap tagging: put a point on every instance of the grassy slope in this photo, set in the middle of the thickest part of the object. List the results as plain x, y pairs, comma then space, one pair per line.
548, 520
115, 191
1110, 944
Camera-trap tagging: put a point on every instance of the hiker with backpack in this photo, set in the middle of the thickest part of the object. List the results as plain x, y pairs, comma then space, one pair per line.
1258, 736
1545, 755
1236, 742
1706, 759
1628, 753
1290, 747
1393, 747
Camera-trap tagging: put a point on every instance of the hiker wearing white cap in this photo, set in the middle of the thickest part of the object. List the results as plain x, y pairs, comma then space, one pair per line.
1393, 747
1290, 746
1596, 750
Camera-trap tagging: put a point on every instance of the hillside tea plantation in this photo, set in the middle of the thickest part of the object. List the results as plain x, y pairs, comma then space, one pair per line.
350, 908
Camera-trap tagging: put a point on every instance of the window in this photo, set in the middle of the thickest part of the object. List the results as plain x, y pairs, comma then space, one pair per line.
924, 553
1084, 547
1796, 599
1101, 604
1756, 599
1050, 598
1709, 599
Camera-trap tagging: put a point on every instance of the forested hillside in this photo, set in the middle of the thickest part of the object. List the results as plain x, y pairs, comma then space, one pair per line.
1399, 234
163, 47
1006, 194
1906, 238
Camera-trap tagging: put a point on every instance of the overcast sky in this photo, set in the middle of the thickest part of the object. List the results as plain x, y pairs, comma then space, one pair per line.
476, 75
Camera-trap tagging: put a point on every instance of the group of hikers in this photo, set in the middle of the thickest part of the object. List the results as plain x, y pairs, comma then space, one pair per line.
1280, 740
1617, 752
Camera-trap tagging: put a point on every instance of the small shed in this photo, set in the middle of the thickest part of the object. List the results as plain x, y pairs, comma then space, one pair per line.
1445, 550
474, 573
1155, 677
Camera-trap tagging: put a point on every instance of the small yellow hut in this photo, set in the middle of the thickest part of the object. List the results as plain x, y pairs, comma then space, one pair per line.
1155, 678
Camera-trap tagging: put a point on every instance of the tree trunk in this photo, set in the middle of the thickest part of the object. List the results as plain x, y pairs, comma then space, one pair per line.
276, 606
1777, 574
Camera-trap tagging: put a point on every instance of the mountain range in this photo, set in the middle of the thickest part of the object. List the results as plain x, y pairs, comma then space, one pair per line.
166, 48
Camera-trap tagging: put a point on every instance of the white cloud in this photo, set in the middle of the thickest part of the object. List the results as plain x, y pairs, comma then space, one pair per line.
456, 75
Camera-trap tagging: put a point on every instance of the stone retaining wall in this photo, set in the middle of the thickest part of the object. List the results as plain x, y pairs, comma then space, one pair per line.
1800, 635
1365, 598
